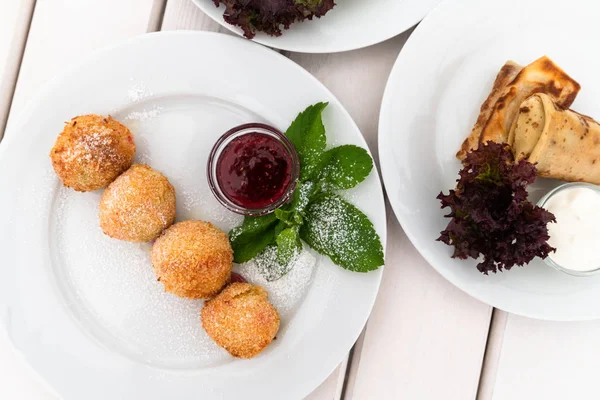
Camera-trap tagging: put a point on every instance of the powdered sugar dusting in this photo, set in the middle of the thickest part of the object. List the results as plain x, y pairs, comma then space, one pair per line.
287, 292
138, 92
195, 204
114, 283
347, 233
138, 205
97, 143
145, 114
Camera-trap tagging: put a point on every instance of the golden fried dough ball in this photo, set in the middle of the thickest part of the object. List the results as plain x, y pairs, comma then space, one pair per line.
138, 206
91, 152
241, 319
193, 259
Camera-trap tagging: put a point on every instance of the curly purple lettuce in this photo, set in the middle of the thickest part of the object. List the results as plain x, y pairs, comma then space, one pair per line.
490, 214
269, 16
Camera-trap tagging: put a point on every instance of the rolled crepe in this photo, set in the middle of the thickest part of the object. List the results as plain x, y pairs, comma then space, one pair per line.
562, 143
512, 86
507, 74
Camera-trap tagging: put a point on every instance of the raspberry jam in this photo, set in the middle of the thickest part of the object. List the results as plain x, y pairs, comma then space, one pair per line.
253, 169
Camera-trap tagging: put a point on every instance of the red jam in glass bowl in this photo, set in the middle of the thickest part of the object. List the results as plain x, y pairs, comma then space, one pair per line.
252, 169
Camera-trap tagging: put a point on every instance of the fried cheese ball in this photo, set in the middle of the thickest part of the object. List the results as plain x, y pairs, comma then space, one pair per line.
138, 206
91, 152
193, 259
241, 320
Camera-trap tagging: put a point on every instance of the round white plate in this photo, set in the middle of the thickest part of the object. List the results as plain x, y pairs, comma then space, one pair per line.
85, 310
352, 24
432, 100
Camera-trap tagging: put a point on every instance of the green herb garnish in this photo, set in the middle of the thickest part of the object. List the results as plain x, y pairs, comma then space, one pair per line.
346, 166
341, 231
316, 214
307, 133
250, 238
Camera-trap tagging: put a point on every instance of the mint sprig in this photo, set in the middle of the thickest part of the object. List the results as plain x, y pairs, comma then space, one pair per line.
316, 214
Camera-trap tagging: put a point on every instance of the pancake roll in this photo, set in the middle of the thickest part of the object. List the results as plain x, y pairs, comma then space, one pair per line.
512, 86
562, 143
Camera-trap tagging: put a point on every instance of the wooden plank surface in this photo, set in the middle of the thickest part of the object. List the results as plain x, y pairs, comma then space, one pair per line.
425, 338
62, 31
548, 360
492, 355
15, 16
184, 15
423, 329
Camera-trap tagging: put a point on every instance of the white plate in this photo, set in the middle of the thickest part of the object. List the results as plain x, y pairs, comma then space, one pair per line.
85, 310
442, 76
352, 24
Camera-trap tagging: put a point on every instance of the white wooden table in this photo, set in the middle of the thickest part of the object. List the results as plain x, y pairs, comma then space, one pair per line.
425, 339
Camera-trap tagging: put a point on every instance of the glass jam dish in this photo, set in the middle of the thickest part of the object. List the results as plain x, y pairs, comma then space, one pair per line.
581, 197
252, 169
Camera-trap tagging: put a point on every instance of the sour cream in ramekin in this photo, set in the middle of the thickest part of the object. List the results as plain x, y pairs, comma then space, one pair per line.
576, 233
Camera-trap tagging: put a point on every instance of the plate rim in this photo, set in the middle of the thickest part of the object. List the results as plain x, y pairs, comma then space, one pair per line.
307, 48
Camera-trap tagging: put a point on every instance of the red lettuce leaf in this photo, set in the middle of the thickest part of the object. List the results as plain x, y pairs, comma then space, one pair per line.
490, 214
270, 16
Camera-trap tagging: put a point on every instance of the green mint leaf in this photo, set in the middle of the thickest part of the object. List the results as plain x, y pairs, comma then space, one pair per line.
345, 166
307, 134
338, 229
286, 216
302, 196
288, 245
252, 226
246, 251
250, 238
289, 217
292, 214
